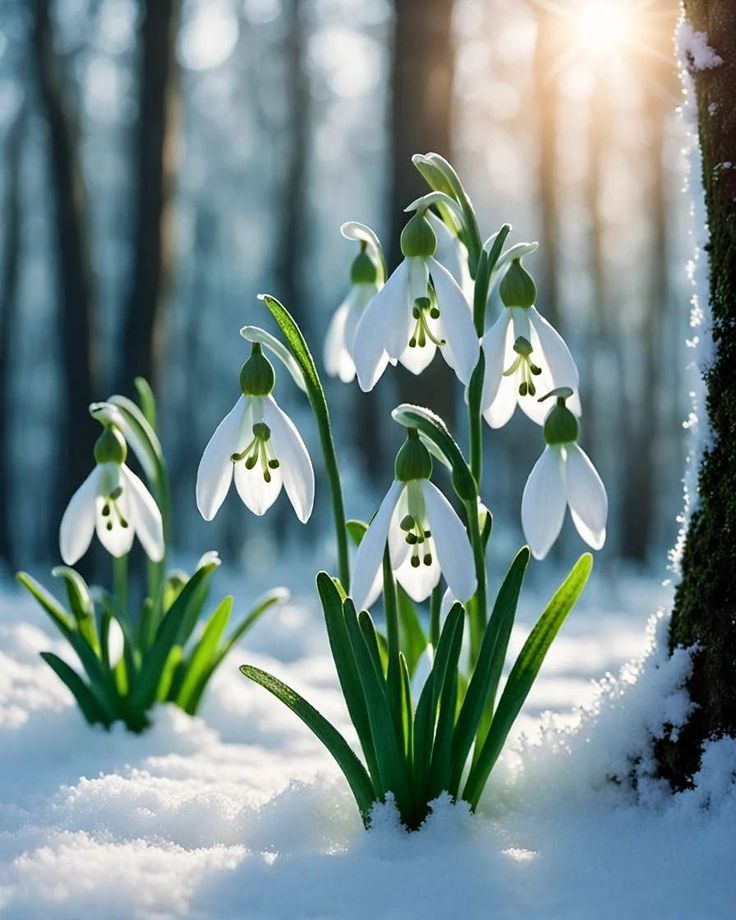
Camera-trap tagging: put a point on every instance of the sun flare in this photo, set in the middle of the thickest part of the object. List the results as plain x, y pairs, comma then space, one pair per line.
602, 26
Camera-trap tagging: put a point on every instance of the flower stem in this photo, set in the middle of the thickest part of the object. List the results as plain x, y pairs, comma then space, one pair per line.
120, 585
338, 506
478, 603
435, 605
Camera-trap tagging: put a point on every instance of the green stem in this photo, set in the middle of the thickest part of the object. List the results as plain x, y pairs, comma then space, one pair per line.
435, 605
120, 585
477, 611
338, 506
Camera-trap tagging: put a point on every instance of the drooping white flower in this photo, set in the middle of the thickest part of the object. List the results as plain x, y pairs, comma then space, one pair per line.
563, 476
409, 318
258, 446
524, 355
114, 502
425, 537
338, 351
451, 253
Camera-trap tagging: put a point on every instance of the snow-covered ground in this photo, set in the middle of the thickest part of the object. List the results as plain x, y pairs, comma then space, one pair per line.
241, 814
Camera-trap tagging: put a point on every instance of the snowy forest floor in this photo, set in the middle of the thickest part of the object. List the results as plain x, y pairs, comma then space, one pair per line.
241, 813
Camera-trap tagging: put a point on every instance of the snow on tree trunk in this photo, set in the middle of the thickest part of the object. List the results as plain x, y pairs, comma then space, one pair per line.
705, 605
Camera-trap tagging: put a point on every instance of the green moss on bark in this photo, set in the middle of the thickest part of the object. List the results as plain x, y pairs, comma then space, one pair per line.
705, 604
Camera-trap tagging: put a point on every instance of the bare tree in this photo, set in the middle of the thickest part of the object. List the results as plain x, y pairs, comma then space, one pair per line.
72, 256
703, 615
9, 276
155, 165
422, 66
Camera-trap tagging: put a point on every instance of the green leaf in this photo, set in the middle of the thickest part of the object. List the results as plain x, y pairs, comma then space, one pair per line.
353, 770
175, 626
434, 428
523, 674
356, 530
48, 602
347, 669
390, 760
199, 662
167, 683
80, 601
487, 671
439, 771
146, 400
261, 606
91, 708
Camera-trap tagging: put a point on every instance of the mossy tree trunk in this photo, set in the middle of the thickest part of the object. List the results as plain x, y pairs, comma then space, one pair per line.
705, 603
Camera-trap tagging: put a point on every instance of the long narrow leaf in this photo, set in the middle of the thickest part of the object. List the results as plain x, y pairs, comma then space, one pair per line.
90, 706
488, 667
523, 674
200, 659
353, 770
439, 772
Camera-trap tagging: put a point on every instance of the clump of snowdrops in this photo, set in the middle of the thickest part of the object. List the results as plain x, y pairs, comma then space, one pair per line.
134, 656
420, 737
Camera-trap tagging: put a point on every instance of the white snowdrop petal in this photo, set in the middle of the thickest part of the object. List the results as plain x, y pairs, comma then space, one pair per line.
451, 252
145, 514
215, 471
495, 343
116, 539
399, 549
78, 522
370, 552
394, 296
360, 297
557, 357
543, 502
369, 352
419, 581
255, 493
418, 358
504, 403
295, 465
456, 322
586, 496
337, 362
450, 539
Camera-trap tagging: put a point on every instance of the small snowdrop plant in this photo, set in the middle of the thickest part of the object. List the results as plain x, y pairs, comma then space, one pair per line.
132, 659
430, 711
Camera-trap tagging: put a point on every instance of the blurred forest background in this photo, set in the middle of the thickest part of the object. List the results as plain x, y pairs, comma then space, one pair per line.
163, 161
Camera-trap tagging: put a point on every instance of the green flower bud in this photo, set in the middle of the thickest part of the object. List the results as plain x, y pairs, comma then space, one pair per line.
363, 269
110, 447
517, 286
561, 426
257, 376
413, 461
418, 238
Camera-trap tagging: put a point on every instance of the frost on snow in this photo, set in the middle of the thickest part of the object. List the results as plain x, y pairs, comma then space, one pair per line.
693, 49
242, 814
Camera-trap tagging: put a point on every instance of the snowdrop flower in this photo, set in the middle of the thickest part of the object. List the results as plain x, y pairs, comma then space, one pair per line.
524, 355
113, 501
563, 476
338, 354
425, 536
409, 318
258, 445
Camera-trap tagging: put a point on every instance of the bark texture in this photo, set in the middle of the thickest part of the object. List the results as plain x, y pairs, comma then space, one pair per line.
72, 259
421, 121
705, 604
155, 159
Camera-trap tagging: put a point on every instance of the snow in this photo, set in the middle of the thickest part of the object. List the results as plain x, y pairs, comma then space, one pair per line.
693, 49
240, 813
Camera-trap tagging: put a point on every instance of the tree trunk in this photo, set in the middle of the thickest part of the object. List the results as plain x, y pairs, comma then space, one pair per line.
11, 251
76, 435
546, 72
421, 111
155, 158
705, 602
291, 231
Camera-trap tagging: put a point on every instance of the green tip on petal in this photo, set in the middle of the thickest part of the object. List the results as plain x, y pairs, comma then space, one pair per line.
110, 447
413, 461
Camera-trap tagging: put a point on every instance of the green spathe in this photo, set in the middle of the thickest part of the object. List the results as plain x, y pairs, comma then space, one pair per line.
413, 461
110, 447
257, 377
363, 270
561, 426
418, 239
517, 288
